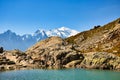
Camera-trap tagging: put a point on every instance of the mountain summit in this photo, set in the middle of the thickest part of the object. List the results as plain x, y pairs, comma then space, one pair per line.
9, 40
61, 32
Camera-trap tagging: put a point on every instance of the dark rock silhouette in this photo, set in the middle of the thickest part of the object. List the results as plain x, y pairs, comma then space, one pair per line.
1, 49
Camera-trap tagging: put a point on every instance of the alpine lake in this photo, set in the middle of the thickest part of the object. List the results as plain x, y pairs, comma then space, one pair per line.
62, 74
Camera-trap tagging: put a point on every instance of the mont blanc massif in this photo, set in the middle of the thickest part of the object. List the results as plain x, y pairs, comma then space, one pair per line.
8, 38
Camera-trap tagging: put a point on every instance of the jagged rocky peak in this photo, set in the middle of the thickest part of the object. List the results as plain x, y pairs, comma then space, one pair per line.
40, 31
9, 32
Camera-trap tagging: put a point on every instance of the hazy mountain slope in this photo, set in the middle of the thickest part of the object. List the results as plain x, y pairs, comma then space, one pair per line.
9, 39
105, 38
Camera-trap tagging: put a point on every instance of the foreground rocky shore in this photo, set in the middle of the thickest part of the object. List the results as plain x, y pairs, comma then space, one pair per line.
55, 53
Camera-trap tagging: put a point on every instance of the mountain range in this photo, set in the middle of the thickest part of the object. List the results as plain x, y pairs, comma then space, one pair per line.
10, 40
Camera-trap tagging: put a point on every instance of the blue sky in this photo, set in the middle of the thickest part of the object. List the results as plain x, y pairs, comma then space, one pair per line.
26, 16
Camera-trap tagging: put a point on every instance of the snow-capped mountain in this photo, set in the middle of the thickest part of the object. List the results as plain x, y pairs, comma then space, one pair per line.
10, 40
62, 32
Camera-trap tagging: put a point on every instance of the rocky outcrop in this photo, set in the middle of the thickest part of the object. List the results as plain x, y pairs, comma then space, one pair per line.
53, 52
5, 64
101, 60
12, 60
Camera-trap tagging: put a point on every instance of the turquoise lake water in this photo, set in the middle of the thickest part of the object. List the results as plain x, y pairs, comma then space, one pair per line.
66, 74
